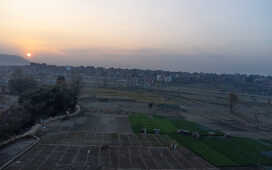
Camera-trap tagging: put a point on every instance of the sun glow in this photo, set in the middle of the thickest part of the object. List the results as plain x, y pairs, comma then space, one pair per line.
28, 55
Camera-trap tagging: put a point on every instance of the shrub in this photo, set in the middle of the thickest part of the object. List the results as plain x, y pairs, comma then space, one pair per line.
47, 102
13, 120
35, 105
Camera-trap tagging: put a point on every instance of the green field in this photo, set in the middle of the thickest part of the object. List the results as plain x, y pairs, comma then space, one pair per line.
217, 150
139, 121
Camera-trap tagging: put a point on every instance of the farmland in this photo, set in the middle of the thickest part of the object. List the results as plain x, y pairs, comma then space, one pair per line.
76, 144
210, 108
220, 151
114, 117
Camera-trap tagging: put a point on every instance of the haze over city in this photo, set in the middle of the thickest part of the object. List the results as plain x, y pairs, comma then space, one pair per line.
225, 36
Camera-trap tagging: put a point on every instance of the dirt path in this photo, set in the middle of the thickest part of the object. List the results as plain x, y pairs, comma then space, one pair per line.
99, 123
111, 124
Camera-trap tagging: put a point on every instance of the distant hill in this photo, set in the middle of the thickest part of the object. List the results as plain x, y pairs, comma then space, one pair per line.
6, 59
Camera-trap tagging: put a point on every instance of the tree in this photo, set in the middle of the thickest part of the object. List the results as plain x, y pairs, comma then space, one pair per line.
233, 100
150, 105
20, 82
49, 101
76, 83
257, 120
37, 104
13, 120
61, 81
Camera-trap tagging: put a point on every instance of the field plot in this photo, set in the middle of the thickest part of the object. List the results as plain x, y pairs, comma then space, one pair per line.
44, 157
210, 108
111, 119
78, 155
75, 144
218, 150
85, 138
88, 122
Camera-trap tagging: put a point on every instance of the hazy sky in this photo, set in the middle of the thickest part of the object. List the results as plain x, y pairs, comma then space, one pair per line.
183, 35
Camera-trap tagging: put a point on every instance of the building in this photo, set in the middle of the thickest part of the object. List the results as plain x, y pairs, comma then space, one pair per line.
3, 89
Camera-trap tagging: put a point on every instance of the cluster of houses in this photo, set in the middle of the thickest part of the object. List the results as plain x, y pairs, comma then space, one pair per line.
3, 89
116, 77
97, 76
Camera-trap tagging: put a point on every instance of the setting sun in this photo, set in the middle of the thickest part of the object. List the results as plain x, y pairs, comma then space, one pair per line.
28, 55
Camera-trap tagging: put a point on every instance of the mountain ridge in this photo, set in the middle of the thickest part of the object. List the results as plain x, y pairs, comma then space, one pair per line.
7, 59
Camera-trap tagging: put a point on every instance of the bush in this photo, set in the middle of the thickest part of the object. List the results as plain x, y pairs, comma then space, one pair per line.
47, 102
13, 120
35, 105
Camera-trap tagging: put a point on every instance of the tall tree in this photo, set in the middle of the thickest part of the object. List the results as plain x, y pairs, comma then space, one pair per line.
76, 83
233, 100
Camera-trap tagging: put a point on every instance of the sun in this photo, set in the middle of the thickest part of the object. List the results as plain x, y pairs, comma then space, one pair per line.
28, 55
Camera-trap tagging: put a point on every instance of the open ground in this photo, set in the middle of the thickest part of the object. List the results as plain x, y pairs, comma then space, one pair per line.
108, 119
210, 108
76, 144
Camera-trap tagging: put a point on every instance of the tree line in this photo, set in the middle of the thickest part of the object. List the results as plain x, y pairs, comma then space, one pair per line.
36, 101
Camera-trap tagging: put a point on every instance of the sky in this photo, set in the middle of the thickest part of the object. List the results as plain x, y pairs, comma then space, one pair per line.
222, 36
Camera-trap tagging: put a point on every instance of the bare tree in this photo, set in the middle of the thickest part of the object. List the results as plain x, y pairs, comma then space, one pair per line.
269, 101
257, 119
233, 100
76, 83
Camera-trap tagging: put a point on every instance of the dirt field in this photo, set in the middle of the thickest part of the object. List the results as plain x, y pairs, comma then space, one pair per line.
103, 123
90, 157
76, 144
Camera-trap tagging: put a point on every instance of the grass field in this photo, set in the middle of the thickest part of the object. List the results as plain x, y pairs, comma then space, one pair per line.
219, 151
140, 121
